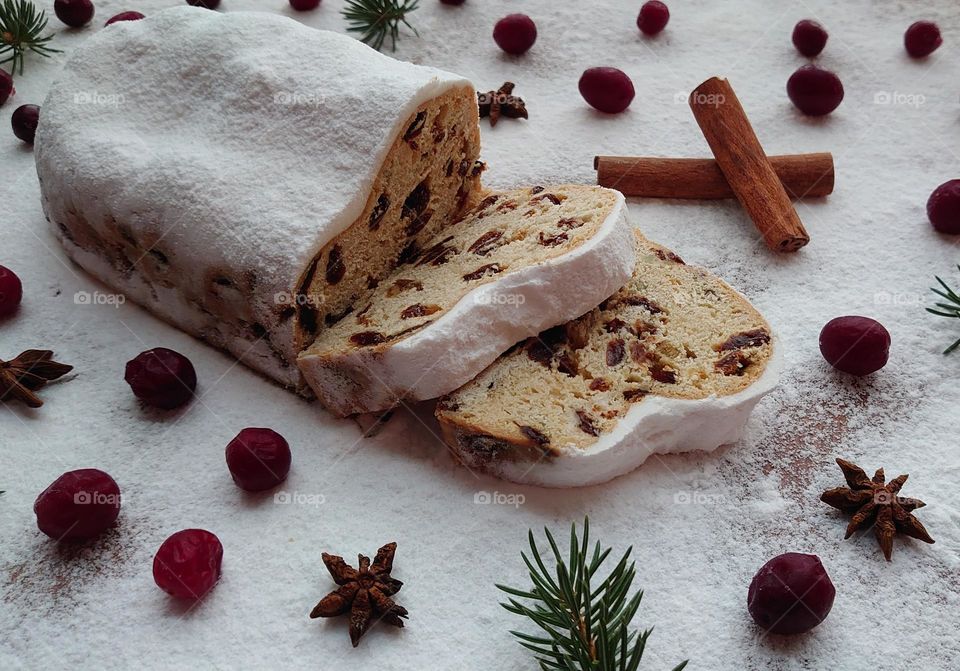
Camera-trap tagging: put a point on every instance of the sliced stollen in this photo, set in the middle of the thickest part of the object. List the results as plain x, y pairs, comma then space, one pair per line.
674, 361
519, 262
246, 177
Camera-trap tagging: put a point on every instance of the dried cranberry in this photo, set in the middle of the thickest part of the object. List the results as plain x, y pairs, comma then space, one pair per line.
653, 17
124, 16
187, 565
943, 208
809, 37
161, 377
258, 459
208, 4
607, 89
24, 121
815, 91
78, 505
790, 594
74, 13
855, 345
304, 5
6, 86
922, 39
515, 33
11, 291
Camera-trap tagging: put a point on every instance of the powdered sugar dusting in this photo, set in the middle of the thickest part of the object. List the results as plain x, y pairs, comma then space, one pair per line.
700, 524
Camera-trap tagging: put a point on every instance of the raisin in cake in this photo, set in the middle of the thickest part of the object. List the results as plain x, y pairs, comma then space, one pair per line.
248, 178
519, 262
674, 361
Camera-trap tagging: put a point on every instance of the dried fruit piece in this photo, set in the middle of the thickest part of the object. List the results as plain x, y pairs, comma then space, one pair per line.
187, 565
486, 243
586, 423
439, 254
568, 224
415, 127
552, 240
367, 338
599, 384
533, 434
734, 363
634, 395
753, 338
78, 506
616, 351
483, 271
419, 310
335, 266
378, 211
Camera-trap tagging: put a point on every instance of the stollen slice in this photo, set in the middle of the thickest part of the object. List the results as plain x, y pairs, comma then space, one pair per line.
521, 261
674, 361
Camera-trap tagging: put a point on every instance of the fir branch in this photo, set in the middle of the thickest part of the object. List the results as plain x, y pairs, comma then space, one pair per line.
949, 309
21, 25
583, 627
376, 20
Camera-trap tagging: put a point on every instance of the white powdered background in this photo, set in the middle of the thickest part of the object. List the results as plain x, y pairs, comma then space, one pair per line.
700, 525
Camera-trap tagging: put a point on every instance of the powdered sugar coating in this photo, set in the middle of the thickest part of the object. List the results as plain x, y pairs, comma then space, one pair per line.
459, 345
150, 133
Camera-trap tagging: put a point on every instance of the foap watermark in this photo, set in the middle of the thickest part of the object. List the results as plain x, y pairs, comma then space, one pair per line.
696, 98
299, 499
898, 98
901, 298
99, 298
698, 498
287, 298
497, 298
96, 499
485, 498
99, 98
299, 98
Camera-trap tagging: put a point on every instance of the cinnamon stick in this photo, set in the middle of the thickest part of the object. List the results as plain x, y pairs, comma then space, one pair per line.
802, 175
745, 165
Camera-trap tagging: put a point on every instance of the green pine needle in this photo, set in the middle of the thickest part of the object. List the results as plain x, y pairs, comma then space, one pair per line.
951, 309
21, 25
376, 20
582, 627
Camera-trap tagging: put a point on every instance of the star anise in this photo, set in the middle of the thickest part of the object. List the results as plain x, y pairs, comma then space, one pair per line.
27, 373
501, 102
876, 501
364, 593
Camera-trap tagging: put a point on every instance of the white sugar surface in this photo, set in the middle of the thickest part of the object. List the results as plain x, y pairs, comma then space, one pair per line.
700, 524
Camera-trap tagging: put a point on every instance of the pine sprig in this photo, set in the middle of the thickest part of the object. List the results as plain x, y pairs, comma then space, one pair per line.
949, 309
376, 20
586, 627
21, 25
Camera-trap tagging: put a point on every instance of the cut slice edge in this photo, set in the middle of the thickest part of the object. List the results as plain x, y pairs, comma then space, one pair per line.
564, 410
458, 320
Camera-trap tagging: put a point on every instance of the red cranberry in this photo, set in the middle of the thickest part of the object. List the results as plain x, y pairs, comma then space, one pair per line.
24, 121
515, 33
161, 377
6, 86
809, 37
653, 17
258, 459
943, 207
815, 91
922, 39
125, 16
304, 5
79, 505
790, 594
11, 291
209, 4
607, 89
855, 345
187, 565
74, 13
